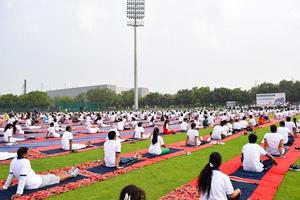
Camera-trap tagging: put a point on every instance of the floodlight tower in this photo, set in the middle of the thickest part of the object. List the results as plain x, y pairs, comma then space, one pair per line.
135, 15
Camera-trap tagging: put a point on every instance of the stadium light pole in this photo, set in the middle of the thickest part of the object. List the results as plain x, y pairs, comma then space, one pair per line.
135, 16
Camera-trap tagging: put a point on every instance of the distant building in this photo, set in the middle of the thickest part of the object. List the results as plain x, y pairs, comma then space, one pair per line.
73, 92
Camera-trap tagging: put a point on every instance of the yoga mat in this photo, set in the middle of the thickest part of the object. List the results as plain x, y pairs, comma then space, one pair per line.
6, 194
104, 170
172, 150
246, 188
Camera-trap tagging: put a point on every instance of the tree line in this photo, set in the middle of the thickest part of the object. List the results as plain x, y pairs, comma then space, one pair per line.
106, 99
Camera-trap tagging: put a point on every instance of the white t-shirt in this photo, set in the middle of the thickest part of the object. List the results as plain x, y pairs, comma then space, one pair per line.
217, 132
7, 133
19, 167
120, 126
285, 133
253, 122
111, 147
65, 140
273, 140
244, 123
138, 131
237, 126
192, 133
252, 153
155, 149
290, 125
184, 126
221, 186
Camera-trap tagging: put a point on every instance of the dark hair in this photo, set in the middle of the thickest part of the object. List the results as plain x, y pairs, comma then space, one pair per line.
193, 125
69, 128
133, 192
205, 177
155, 135
140, 124
252, 138
14, 126
288, 119
165, 124
51, 124
273, 128
22, 151
282, 123
8, 126
111, 135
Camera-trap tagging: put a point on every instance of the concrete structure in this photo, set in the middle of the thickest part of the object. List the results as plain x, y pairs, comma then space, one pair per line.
73, 92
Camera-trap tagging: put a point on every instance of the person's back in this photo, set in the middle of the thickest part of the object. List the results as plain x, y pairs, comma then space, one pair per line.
217, 132
155, 149
138, 132
285, 133
192, 133
184, 126
290, 125
251, 157
111, 147
219, 182
65, 140
273, 140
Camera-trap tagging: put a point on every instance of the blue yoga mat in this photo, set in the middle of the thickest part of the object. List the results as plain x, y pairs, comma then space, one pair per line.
6, 194
172, 150
104, 170
249, 175
246, 188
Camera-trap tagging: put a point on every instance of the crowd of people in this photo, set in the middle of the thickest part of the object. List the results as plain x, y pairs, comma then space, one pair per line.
213, 184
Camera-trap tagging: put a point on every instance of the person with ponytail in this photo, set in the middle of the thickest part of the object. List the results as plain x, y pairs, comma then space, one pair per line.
157, 146
166, 129
215, 185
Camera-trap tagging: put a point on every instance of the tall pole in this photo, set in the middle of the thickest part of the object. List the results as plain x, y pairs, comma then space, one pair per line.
135, 15
136, 95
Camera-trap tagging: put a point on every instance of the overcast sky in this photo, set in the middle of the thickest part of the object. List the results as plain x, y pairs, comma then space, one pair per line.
185, 43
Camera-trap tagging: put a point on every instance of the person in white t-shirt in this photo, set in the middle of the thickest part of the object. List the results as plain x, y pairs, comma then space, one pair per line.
112, 152
8, 135
237, 126
27, 179
17, 128
157, 146
219, 132
184, 125
213, 184
273, 142
251, 154
252, 121
291, 125
67, 141
286, 134
91, 130
193, 138
51, 132
139, 132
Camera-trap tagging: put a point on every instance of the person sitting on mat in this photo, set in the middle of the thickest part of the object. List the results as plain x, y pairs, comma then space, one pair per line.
219, 133
252, 121
291, 125
193, 138
251, 156
261, 120
8, 135
157, 146
237, 126
166, 129
273, 142
67, 141
288, 136
17, 128
51, 132
112, 151
20, 168
90, 129
139, 132
184, 125
28, 123
132, 192
213, 184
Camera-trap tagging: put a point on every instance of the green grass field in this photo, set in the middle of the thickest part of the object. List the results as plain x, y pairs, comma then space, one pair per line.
157, 179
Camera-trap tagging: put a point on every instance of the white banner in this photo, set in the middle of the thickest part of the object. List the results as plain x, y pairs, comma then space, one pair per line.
270, 99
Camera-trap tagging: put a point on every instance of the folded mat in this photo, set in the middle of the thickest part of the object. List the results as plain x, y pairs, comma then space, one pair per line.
7, 194
7, 155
